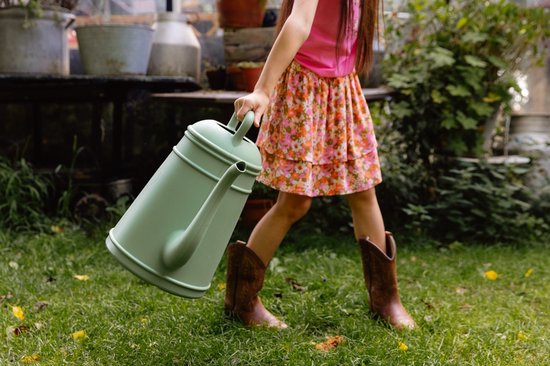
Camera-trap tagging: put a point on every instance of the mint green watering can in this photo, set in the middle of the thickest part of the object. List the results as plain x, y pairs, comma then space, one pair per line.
175, 232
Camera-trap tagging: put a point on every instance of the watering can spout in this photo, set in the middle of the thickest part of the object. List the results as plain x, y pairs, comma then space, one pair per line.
182, 243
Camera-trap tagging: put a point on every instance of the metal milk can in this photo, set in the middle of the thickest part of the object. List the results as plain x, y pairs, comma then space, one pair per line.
176, 50
175, 232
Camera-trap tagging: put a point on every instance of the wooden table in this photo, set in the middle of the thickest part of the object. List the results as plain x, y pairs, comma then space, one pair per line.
225, 97
37, 90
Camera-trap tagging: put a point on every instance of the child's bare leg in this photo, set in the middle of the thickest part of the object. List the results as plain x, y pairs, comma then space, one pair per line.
367, 218
272, 228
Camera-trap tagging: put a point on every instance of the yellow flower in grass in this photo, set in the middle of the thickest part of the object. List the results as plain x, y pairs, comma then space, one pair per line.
529, 272
82, 277
491, 275
57, 229
18, 312
402, 346
79, 335
521, 336
31, 358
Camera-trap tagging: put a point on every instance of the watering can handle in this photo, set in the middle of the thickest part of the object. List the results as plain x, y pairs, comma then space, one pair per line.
243, 129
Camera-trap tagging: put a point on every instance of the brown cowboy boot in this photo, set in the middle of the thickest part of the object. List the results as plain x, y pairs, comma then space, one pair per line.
380, 273
245, 278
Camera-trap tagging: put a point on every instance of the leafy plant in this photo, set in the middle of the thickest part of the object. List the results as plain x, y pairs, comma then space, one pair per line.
451, 65
479, 201
23, 195
250, 64
34, 7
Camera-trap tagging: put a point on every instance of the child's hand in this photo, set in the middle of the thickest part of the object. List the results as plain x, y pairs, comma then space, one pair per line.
256, 101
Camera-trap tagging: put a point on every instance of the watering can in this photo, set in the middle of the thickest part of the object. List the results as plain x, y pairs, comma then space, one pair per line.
175, 232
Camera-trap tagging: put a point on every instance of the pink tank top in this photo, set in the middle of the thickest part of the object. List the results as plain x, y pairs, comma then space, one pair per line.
318, 53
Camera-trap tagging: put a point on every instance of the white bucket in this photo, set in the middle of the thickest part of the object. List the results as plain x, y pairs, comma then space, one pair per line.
34, 45
115, 49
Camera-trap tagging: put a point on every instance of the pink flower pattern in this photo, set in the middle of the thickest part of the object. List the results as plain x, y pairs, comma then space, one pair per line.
317, 137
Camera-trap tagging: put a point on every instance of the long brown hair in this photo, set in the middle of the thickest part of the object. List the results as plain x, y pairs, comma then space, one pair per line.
368, 24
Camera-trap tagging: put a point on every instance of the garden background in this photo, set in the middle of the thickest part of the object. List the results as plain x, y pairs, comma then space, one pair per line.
470, 212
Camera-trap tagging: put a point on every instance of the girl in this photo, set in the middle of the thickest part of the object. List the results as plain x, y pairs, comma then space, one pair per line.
316, 139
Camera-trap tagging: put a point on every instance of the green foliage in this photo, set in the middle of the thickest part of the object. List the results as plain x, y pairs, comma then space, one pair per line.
478, 201
404, 181
34, 8
326, 216
23, 196
451, 66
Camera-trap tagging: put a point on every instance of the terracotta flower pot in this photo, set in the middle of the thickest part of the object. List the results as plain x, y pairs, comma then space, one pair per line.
250, 77
241, 13
236, 78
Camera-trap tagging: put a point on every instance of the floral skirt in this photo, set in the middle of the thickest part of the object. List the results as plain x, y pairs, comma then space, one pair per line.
317, 137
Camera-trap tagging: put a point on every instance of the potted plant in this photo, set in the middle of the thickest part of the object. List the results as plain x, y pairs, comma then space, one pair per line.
34, 36
110, 46
216, 75
452, 66
250, 73
244, 75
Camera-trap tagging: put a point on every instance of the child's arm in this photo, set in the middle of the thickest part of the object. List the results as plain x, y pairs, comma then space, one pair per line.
293, 34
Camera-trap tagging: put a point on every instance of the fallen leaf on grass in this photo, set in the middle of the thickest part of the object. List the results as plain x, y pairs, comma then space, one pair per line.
30, 358
5, 297
221, 286
13, 265
529, 272
329, 344
41, 305
428, 305
461, 290
82, 277
18, 330
18, 312
294, 284
491, 275
79, 335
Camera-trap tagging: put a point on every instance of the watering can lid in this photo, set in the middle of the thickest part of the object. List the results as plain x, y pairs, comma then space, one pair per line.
224, 140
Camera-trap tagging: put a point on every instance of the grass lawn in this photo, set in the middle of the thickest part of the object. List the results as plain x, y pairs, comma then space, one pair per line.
109, 317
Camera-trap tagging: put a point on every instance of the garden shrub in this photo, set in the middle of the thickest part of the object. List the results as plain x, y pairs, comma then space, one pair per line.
478, 201
23, 196
452, 64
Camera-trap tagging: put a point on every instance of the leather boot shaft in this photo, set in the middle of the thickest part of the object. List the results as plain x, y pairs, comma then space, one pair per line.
245, 278
380, 274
